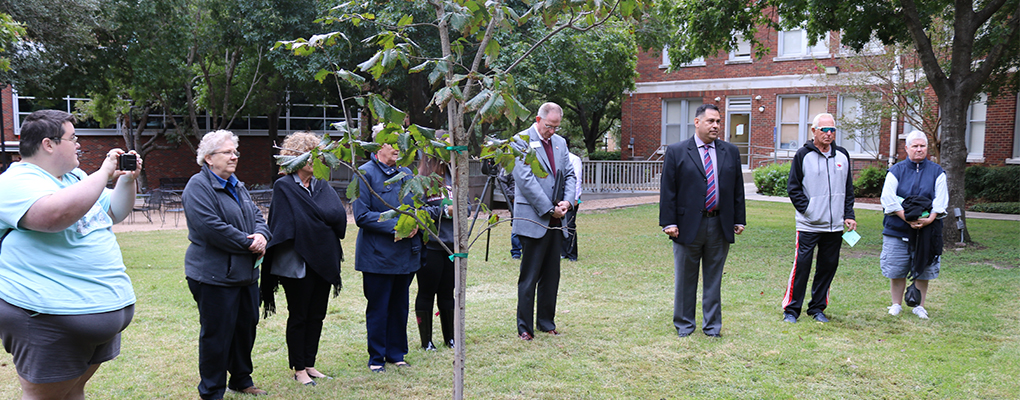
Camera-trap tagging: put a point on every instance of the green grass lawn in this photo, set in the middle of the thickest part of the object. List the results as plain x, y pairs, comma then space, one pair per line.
615, 313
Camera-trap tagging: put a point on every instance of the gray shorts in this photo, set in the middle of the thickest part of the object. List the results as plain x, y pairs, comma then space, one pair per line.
54, 348
896, 260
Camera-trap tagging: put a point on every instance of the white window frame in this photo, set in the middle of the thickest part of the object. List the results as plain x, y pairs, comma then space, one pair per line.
803, 121
977, 155
737, 57
697, 62
819, 50
686, 121
852, 146
1016, 135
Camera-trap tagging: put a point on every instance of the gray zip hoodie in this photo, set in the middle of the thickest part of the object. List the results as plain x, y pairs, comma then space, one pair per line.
821, 188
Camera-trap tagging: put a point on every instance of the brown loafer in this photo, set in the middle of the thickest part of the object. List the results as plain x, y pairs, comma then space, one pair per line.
525, 336
252, 390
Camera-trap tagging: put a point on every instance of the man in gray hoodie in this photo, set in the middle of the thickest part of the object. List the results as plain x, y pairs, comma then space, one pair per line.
822, 190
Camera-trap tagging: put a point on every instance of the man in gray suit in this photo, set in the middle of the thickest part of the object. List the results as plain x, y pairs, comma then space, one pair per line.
701, 207
539, 206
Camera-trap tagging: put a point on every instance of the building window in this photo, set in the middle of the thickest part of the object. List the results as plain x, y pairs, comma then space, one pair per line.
794, 44
976, 129
858, 127
1016, 133
697, 62
678, 119
795, 115
742, 53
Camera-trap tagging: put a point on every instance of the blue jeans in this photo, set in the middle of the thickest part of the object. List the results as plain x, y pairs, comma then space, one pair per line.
515, 246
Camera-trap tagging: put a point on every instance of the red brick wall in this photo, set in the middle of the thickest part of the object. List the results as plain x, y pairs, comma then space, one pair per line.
256, 165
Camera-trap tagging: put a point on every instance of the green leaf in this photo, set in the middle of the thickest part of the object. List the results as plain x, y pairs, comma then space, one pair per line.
396, 178
388, 215
352, 188
420, 67
320, 169
492, 50
290, 164
321, 75
352, 78
405, 224
405, 20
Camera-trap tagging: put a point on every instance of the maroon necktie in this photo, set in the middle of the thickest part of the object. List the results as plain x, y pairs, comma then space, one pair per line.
547, 145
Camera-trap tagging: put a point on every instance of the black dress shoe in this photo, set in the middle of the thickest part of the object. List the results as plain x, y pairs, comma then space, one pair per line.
820, 317
787, 317
713, 334
683, 334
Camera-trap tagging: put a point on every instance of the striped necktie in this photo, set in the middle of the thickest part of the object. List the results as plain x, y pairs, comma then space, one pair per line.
711, 196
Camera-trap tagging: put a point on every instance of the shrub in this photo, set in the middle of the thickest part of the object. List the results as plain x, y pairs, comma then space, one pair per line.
604, 155
870, 181
999, 208
997, 184
771, 179
974, 181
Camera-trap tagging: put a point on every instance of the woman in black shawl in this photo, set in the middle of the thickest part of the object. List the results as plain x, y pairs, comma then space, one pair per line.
308, 221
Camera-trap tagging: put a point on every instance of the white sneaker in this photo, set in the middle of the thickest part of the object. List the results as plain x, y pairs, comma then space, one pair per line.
895, 309
920, 312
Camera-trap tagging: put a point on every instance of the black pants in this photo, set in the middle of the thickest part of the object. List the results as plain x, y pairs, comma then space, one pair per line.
570, 243
435, 281
386, 316
307, 299
828, 244
540, 273
228, 315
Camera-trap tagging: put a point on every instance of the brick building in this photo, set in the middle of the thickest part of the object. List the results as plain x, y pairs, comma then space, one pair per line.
768, 104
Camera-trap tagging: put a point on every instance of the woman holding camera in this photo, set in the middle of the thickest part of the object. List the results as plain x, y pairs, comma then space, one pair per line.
64, 293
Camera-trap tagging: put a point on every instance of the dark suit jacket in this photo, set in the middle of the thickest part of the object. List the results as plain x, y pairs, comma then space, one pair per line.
683, 187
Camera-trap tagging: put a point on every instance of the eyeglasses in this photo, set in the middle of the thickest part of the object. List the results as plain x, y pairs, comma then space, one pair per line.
554, 128
828, 130
228, 153
73, 139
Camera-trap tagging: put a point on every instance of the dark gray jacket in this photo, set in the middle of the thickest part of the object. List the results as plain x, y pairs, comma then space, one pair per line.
218, 228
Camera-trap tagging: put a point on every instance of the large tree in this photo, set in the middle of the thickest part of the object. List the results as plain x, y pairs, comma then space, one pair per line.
984, 50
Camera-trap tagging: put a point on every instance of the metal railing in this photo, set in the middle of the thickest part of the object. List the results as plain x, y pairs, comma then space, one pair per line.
621, 176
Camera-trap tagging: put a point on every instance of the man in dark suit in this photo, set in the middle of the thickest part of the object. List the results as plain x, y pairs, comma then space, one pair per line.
701, 207
539, 207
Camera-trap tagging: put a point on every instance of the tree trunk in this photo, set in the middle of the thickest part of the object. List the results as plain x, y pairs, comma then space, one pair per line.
954, 161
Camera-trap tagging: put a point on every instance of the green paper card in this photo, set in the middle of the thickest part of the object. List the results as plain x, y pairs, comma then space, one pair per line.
851, 237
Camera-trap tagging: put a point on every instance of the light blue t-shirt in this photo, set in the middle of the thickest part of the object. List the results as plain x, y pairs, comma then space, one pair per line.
76, 271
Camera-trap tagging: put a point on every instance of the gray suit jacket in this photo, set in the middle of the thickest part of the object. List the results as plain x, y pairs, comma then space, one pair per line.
533, 196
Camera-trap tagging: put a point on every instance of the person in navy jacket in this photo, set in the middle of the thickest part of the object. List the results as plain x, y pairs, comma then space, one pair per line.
386, 261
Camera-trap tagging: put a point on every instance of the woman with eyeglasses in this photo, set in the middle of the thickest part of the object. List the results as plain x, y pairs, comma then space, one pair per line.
64, 293
228, 238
